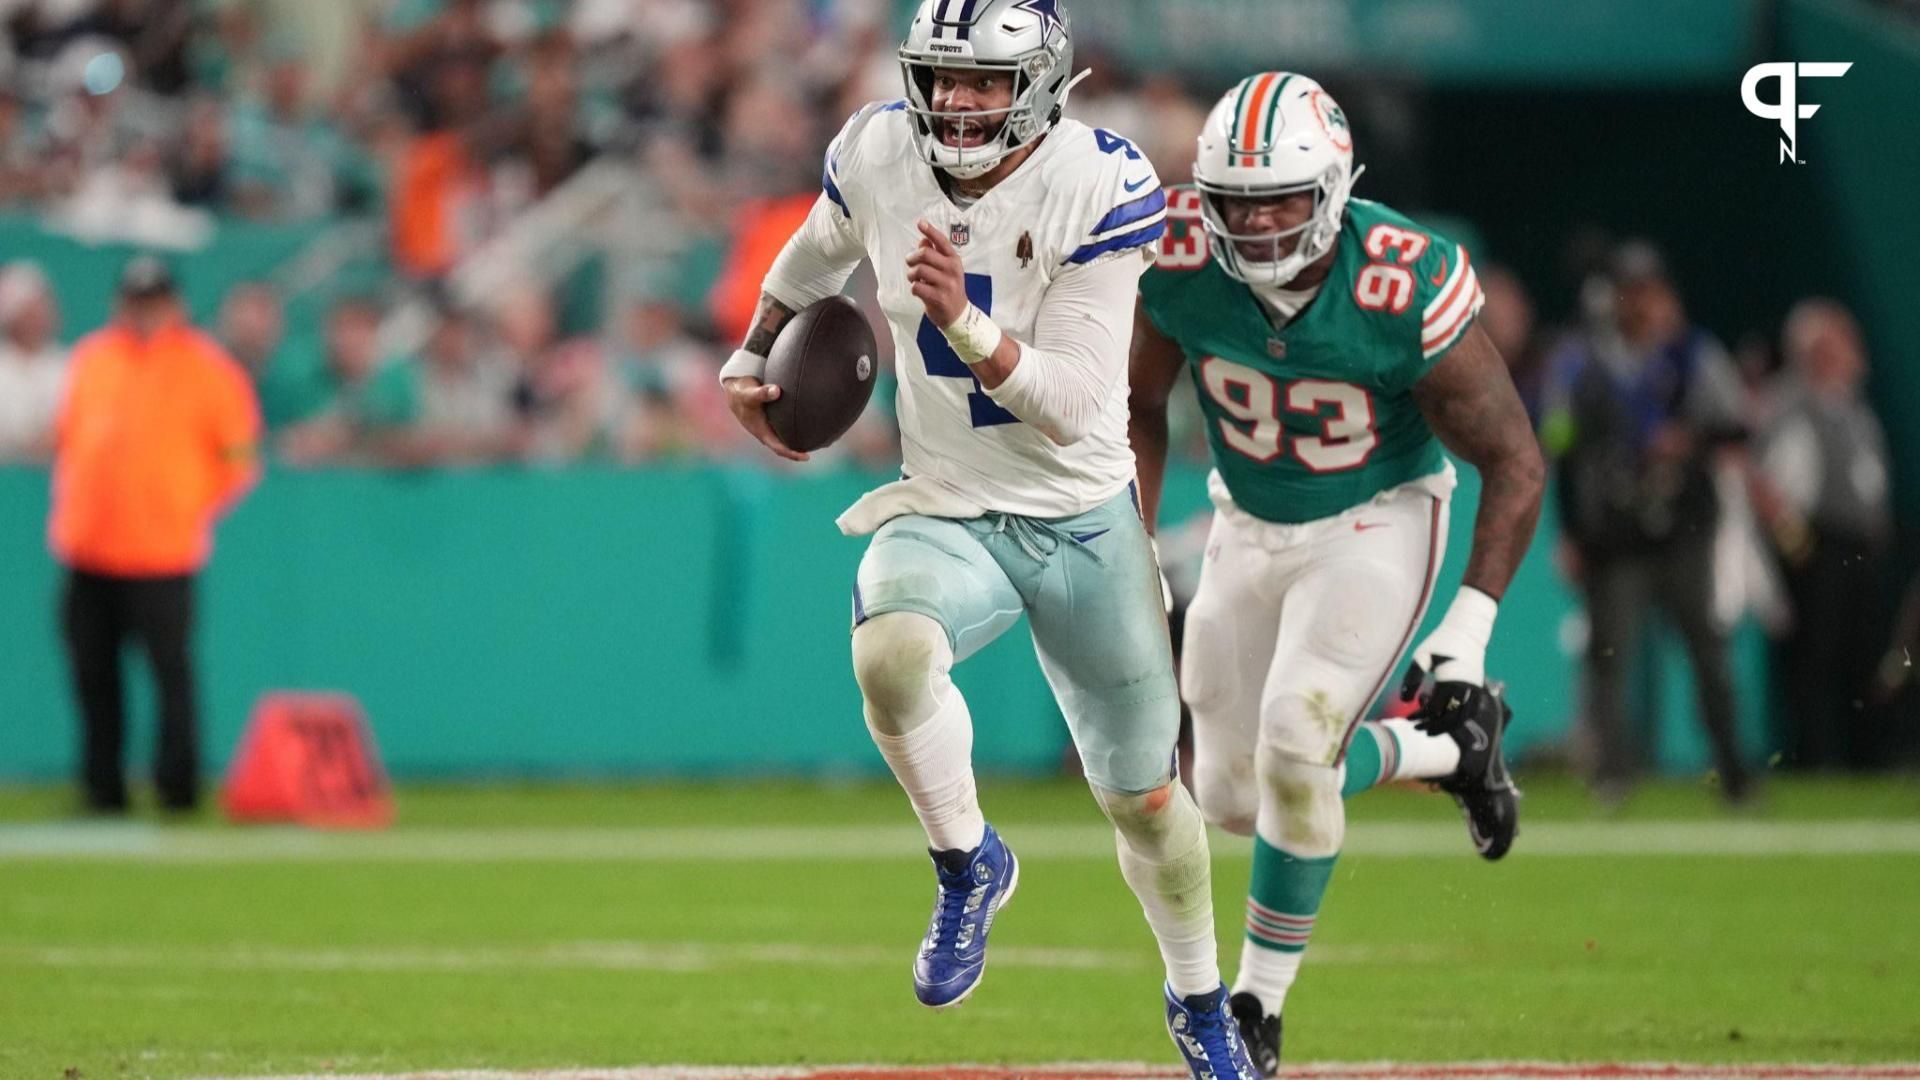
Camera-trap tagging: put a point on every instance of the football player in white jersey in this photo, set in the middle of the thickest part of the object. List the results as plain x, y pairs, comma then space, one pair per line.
1008, 244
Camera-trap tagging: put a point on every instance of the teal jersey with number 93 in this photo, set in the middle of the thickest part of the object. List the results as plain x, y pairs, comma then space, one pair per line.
1316, 416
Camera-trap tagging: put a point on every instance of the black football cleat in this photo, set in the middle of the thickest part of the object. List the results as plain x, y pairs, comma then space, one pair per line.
1482, 786
1259, 1031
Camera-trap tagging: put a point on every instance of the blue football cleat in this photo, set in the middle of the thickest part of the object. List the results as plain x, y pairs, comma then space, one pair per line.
974, 886
1207, 1037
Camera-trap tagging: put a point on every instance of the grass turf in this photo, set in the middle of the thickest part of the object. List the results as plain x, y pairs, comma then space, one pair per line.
125, 967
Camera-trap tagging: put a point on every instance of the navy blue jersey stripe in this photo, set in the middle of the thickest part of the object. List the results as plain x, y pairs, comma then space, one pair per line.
833, 192
1134, 239
1127, 213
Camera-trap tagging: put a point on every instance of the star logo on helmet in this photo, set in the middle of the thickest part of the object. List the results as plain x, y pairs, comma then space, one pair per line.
1048, 12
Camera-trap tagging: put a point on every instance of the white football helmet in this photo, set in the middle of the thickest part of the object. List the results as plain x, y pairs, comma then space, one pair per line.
1274, 134
1027, 38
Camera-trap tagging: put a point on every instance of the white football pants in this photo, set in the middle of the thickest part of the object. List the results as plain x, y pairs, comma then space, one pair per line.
1293, 633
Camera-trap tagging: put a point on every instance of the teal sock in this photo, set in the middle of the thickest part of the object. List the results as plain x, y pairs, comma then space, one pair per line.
1282, 904
1284, 897
1371, 758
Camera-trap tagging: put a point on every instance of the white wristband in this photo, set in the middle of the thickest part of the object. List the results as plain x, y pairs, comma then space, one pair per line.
1471, 615
743, 363
973, 336
1456, 651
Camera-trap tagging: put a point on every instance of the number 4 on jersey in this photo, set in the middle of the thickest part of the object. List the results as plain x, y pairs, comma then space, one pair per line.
1109, 143
1346, 440
942, 362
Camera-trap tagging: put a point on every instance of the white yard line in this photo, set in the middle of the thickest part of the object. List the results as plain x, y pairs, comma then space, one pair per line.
757, 843
1491, 1070
664, 956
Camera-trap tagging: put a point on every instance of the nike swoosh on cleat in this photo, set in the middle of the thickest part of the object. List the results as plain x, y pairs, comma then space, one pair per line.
1363, 526
1137, 184
1084, 538
1440, 278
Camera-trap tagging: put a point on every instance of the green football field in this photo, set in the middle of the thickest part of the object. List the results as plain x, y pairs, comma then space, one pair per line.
586, 928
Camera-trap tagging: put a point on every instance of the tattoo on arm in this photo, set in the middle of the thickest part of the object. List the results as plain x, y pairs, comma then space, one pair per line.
768, 318
1470, 402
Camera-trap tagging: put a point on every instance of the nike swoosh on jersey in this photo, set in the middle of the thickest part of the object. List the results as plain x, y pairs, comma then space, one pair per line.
1137, 184
1440, 276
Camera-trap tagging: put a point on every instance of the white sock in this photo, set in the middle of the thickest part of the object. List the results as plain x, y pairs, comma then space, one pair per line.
934, 764
1422, 756
1266, 974
1162, 841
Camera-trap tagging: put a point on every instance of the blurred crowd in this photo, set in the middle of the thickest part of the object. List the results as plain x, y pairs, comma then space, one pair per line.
148, 121
1698, 481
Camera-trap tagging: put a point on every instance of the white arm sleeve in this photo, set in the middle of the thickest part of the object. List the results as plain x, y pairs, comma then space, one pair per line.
818, 258
1065, 377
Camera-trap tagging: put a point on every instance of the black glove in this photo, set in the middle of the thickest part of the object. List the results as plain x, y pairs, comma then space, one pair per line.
1447, 706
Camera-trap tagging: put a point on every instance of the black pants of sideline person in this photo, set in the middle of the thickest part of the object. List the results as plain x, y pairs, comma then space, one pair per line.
1676, 580
1825, 666
99, 615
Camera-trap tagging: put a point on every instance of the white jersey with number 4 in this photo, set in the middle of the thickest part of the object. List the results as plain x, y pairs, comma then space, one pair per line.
1084, 198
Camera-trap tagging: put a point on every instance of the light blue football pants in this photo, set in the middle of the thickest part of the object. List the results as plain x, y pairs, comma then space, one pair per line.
1091, 593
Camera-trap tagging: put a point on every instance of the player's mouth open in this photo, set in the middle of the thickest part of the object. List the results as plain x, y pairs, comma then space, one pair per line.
963, 133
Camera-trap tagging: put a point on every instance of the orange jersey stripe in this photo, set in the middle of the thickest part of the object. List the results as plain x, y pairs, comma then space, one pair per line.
1453, 325
1461, 276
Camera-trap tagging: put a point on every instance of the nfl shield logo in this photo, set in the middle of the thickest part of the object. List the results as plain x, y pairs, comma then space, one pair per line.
959, 233
1276, 348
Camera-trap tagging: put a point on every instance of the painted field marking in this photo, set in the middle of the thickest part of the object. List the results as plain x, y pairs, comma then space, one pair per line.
1485, 1070
663, 956
758, 843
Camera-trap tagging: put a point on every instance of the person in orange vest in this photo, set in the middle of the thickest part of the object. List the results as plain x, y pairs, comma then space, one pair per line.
156, 437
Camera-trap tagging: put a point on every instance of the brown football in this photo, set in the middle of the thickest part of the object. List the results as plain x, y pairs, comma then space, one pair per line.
824, 363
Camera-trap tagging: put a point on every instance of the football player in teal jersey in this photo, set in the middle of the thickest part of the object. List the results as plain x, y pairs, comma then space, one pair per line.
1334, 346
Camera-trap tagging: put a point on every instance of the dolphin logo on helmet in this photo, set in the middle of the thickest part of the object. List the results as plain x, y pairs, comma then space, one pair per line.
1027, 39
1274, 134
